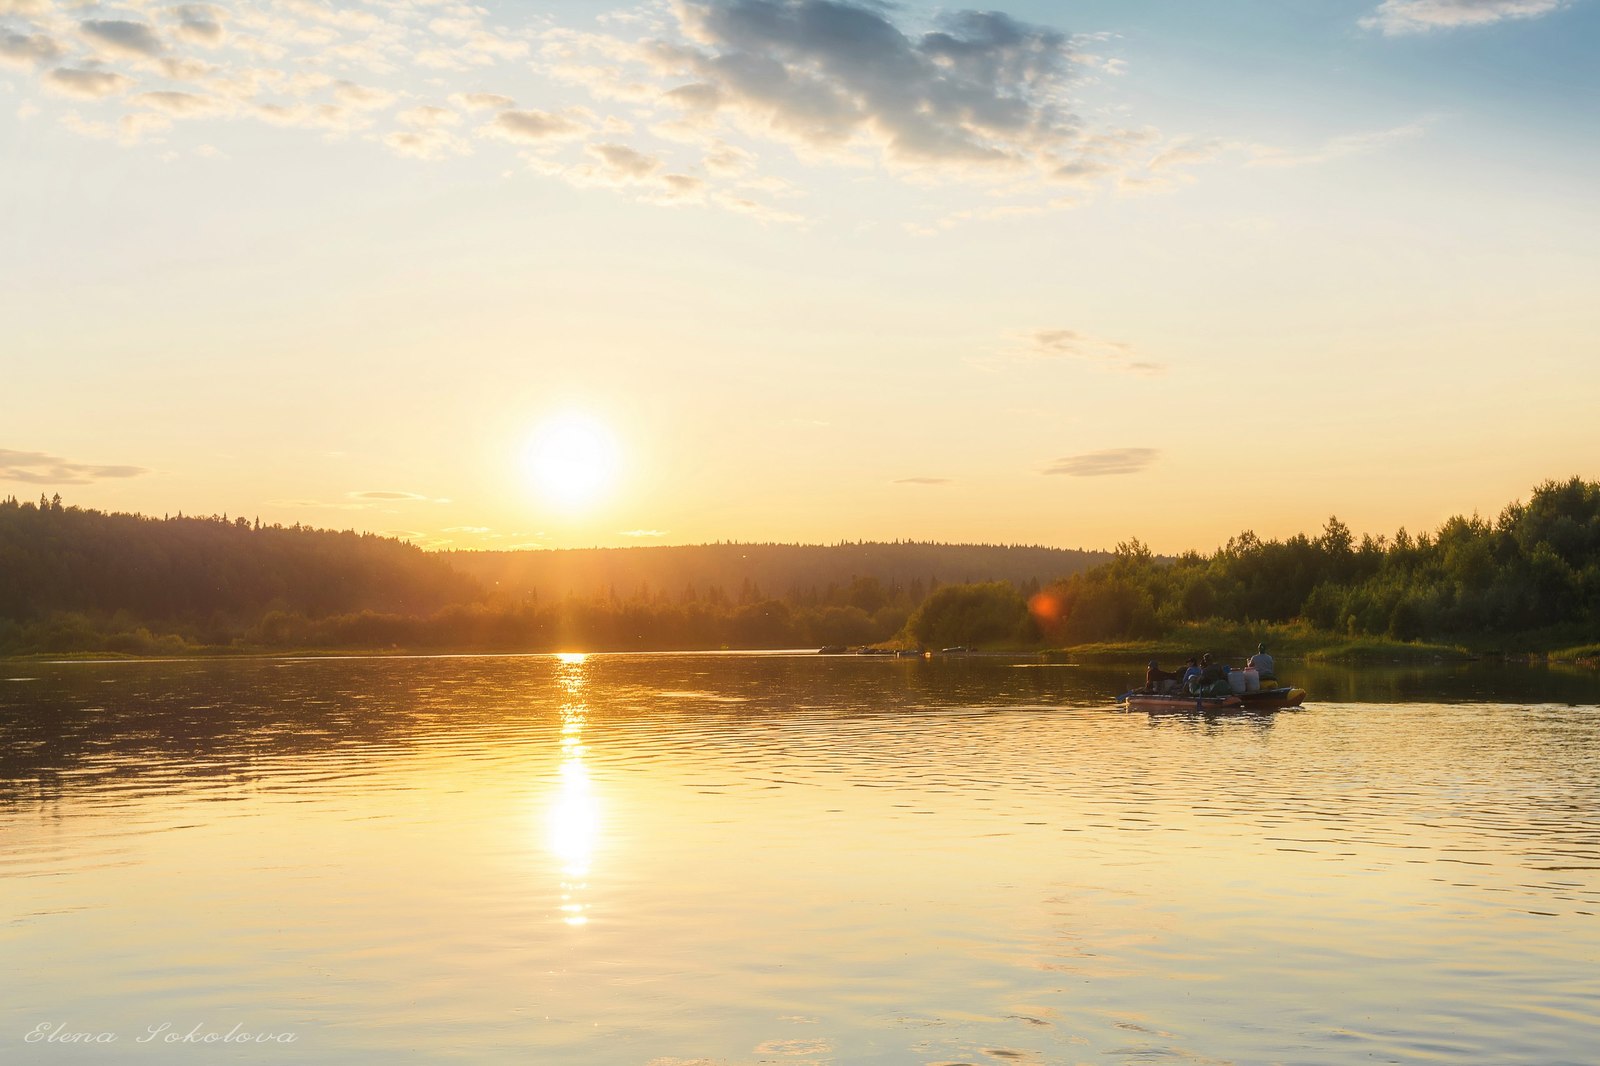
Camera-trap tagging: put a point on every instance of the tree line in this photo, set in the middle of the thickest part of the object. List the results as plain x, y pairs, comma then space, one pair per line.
864, 574
74, 579
1533, 571
81, 580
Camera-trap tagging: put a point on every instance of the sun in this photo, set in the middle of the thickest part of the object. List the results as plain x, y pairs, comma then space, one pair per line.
571, 461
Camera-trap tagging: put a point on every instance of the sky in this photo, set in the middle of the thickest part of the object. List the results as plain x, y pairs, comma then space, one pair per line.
573, 274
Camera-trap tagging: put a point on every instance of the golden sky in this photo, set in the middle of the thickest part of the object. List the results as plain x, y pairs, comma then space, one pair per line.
800, 270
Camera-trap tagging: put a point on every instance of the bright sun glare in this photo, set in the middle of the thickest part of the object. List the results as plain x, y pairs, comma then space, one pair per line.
572, 461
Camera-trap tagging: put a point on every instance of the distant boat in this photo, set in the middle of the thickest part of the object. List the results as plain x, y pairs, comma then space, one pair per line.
959, 649
833, 649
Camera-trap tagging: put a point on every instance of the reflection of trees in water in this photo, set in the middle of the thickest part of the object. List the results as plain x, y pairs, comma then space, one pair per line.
239, 721
1488, 682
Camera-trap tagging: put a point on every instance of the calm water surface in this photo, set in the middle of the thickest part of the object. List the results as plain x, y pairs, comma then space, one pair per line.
791, 859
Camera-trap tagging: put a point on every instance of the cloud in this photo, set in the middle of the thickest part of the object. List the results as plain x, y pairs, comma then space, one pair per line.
426, 143
624, 163
1398, 17
129, 129
672, 187
743, 205
1334, 148
426, 541
1073, 344
198, 24
727, 161
86, 84
1188, 151
122, 38
386, 496
642, 533
1110, 462
922, 481
362, 97
618, 166
329, 117
528, 126
982, 89
686, 99
429, 117
483, 101
179, 104
37, 468
25, 51
176, 68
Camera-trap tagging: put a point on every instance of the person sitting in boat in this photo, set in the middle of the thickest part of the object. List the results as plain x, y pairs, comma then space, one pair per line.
1190, 673
1159, 681
1261, 663
1212, 679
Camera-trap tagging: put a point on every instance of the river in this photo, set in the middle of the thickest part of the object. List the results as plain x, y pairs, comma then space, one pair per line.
665, 860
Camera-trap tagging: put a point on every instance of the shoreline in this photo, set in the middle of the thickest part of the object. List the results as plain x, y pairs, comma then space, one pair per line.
1124, 653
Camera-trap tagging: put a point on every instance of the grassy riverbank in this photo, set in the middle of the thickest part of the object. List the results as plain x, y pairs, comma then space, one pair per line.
1228, 643
1297, 641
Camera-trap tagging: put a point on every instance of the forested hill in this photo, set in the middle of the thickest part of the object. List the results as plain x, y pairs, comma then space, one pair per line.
211, 572
797, 574
80, 580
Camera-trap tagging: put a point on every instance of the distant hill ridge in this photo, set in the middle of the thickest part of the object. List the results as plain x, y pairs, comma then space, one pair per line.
798, 573
221, 575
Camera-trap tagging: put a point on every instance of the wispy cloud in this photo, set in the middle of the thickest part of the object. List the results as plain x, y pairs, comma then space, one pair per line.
1339, 147
642, 533
122, 38
87, 84
483, 101
24, 50
1107, 463
183, 104
198, 23
529, 126
1075, 344
686, 102
390, 496
922, 481
426, 143
1399, 17
130, 129
37, 468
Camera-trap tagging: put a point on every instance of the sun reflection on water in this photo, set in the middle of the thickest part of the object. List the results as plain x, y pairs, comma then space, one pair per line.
573, 822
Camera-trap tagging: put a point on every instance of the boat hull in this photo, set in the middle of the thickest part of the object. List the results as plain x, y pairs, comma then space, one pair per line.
1272, 699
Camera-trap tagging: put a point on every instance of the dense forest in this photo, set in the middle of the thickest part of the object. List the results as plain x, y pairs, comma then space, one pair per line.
1533, 572
800, 575
75, 579
81, 580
